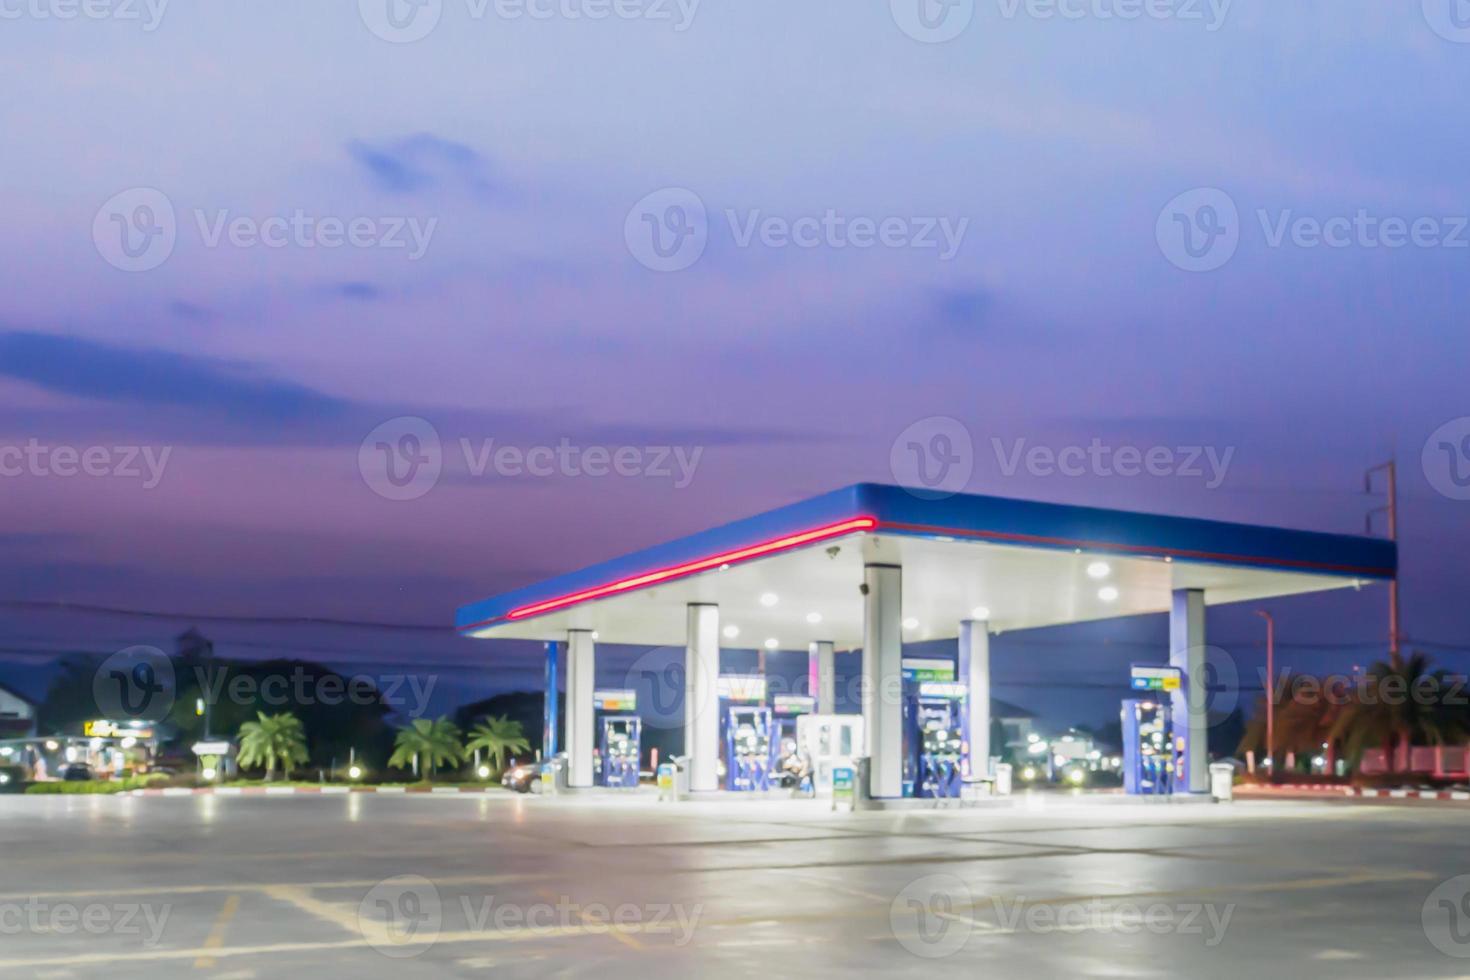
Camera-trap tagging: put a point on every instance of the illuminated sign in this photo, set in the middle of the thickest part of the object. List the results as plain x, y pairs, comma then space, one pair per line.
615, 700
942, 689
927, 669
1145, 678
212, 748
109, 729
738, 687
794, 704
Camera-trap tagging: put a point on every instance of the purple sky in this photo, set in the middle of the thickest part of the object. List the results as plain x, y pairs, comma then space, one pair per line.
518, 146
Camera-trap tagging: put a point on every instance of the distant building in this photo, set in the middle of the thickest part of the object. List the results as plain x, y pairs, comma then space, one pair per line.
1016, 724
17, 714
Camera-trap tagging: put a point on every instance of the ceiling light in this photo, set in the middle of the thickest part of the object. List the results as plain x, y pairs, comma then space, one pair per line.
731, 631
814, 618
980, 612
772, 643
910, 623
770, 599
1107, 593
1099, 569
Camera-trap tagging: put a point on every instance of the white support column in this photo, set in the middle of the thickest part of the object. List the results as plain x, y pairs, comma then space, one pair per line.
824, 672
581, 679
1189, 706
883, 678
975, 673
702, 698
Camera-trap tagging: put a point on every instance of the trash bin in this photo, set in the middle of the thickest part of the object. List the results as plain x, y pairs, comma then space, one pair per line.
673, 779
554, 775
1003, 779
1222, 782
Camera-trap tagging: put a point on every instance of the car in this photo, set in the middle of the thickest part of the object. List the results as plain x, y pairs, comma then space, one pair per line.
521, 778
77, 772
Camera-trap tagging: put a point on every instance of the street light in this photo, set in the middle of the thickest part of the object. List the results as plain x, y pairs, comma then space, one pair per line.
1270, 687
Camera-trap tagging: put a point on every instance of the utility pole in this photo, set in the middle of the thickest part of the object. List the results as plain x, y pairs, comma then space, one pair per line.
1270, 688
1392, 510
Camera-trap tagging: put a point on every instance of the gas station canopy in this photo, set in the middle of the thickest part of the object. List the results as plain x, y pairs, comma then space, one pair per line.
791, 576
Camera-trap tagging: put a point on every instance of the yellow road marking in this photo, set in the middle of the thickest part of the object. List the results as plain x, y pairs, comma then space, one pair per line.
622, 937
216, 937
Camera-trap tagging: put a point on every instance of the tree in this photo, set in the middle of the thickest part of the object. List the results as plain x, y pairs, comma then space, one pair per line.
498, 737
271, 739
430, 743
1403, 703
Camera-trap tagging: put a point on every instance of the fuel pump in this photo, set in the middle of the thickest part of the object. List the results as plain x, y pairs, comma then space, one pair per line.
1149, 748
621, 745
935, 745
749, 748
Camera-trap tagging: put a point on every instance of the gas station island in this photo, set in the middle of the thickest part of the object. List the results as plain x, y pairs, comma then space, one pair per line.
870, 568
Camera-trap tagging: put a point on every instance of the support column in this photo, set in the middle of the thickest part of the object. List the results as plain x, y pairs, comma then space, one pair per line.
883, 678
551, 710
581, 674
822, 671
975, 673
702, 698
1188, 706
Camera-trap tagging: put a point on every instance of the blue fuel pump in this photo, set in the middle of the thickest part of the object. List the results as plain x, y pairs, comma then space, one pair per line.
750, 746
935, 745
622, 738
1149, 761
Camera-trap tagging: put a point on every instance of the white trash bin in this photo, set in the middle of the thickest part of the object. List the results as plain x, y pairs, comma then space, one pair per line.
1222, 782
1003, 779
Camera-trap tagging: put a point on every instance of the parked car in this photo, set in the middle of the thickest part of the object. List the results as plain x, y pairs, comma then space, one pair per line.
521, 778
78, 772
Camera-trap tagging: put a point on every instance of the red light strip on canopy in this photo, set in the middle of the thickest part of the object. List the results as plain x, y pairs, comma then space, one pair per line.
703, 564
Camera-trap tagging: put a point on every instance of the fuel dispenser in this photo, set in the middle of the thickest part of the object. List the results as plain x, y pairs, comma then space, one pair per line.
749, 748
619, 748
1149, 751
934, 743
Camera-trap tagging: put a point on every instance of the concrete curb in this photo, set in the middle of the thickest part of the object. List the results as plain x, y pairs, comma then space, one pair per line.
316, 791
1355, 792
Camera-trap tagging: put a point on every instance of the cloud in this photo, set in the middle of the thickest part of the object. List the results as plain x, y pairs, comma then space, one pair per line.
421, 162
91, 369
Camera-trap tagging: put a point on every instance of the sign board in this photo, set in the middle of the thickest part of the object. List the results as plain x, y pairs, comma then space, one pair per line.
212, 748
615, 700
843, 780
666, 777
794, 704
109, 729
927, 669
943, 689
743, 687
1151, 678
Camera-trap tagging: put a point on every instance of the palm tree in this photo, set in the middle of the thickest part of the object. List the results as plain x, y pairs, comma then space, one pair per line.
498, 737
435, 742
273, 738
1397, 709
